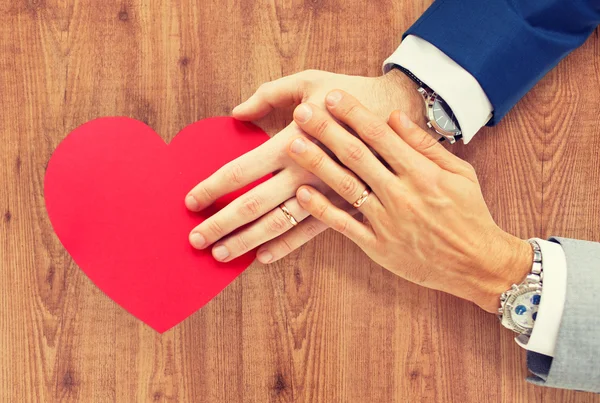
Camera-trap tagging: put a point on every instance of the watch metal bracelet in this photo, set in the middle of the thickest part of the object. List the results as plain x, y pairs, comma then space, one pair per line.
531, 284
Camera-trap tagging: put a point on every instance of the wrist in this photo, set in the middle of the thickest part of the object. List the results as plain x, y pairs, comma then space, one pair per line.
506, 264
409, 99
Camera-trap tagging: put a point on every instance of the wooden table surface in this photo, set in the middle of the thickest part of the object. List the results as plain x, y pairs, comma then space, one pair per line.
325, 324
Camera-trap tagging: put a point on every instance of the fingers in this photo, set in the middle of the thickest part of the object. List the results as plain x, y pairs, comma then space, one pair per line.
321, 208
285, 244
427, 145
234, 175
267, 227
293, 239
375, 132
286, 91
352, 152
312, 158
246, 208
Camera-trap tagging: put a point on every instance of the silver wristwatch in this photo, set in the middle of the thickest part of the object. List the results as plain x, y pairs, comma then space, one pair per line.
519, 305
440, 117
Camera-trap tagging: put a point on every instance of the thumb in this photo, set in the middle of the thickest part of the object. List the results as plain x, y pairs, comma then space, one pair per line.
428, 146
281, 93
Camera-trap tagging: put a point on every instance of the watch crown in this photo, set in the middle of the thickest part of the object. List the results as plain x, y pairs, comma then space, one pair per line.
429, 125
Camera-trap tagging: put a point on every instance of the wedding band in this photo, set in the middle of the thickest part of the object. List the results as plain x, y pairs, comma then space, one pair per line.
363, 197
288, 215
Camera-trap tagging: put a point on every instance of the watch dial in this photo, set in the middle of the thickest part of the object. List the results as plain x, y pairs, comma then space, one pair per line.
525, 308
443, 116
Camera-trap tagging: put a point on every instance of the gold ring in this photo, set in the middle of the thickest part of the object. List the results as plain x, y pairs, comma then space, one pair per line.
288, 215
363, 197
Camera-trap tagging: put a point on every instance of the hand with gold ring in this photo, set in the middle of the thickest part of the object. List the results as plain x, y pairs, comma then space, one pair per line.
427, 220
254, 219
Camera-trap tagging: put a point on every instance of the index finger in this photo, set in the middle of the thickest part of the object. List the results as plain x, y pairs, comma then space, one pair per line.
376, 133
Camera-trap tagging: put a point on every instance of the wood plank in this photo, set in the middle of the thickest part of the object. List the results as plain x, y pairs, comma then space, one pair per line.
323, 325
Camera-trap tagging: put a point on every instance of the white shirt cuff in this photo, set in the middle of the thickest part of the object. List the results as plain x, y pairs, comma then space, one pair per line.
456, 86
545, 331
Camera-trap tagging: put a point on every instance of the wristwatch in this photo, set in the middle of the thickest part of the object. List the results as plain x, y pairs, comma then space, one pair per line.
437, 112
519, 305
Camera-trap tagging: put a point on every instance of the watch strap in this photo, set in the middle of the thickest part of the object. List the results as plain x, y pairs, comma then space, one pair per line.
411, 76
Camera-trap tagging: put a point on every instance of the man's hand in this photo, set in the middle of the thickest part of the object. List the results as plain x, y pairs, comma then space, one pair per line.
267, 224
427, 220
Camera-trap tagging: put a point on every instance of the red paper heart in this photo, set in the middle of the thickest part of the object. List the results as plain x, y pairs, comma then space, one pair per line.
114, 192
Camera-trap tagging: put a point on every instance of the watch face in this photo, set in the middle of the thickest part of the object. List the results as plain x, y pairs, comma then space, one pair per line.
443, 116
524, 309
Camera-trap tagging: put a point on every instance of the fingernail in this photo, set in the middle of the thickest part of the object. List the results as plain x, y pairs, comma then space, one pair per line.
191, 203
304, 195
197, 240
265, 256
405, 121
220, 252
298, 146
303, 113
333, 98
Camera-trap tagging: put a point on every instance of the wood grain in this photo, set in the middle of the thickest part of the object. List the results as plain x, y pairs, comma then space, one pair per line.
325, 324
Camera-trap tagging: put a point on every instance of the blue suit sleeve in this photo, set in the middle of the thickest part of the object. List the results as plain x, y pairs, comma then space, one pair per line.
507, 45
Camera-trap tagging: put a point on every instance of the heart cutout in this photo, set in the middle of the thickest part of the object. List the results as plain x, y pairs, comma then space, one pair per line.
114, 193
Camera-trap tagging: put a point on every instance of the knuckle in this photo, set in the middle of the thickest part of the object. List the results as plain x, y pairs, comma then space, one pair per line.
365, 240
349, 111
312, 229
354, 153
321, 211
375, 129
285, 245
411, 207
415, 171
205, 193
215, 228
321, 128
316, 163
348, 186
235, 173
277, 224
395, 192
340, 225
425, 142
251, 207
241, 243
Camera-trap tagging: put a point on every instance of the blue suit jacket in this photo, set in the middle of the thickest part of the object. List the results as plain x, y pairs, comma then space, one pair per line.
507, 45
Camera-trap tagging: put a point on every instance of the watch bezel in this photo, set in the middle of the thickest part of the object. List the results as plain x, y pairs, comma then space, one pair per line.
507, 307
